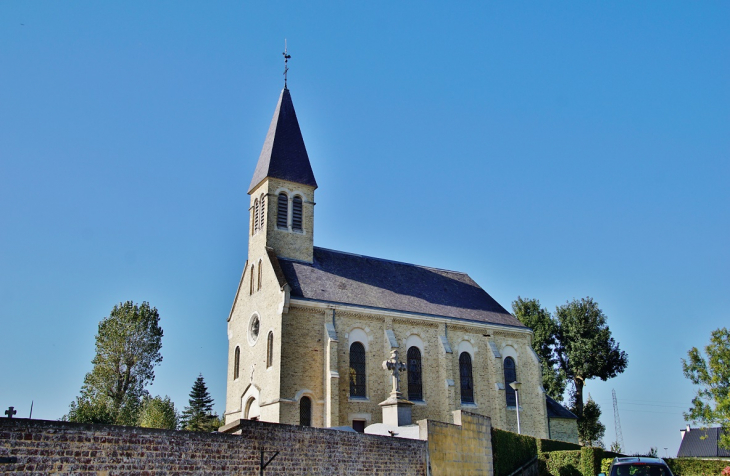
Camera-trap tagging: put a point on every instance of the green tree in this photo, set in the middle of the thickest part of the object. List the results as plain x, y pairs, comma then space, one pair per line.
199, 416
711, 372
158, 412
590, 428
585, 348
128, 345
544, 342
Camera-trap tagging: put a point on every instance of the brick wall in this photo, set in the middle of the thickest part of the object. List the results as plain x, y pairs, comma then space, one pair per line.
43, 447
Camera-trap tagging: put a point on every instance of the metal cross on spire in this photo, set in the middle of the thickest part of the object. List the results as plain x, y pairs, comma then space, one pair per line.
286, 62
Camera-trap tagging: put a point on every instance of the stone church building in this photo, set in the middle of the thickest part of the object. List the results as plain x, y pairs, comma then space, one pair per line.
310, 327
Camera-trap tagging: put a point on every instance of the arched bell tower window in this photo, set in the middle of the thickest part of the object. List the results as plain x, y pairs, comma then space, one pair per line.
415, 385
510, 375
282, 211
357, 370
262, 211
467, 382
236, 362
305, 411
255, 215
296, 214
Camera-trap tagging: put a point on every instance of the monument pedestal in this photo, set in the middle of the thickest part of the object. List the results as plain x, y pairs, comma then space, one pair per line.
397, 410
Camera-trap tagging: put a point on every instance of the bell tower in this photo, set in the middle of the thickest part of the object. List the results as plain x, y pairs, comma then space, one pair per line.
282, 190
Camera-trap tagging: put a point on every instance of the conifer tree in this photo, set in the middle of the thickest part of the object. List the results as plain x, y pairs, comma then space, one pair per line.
199, 416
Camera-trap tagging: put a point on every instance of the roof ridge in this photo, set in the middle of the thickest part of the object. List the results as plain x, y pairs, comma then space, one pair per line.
393, 261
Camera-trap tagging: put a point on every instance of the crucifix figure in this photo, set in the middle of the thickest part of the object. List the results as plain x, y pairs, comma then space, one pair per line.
10, 412
396, 368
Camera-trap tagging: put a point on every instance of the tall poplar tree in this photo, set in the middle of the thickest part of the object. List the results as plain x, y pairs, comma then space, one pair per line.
128, 345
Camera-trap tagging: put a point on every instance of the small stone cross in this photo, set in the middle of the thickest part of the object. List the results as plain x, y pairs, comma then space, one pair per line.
396, 368
10, 412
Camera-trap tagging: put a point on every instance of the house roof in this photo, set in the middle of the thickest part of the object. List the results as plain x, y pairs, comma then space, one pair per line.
556, 410
339, 277
284, 155
702, 442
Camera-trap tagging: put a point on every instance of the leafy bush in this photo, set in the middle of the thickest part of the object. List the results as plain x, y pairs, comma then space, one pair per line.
591, 460
606, 464
562, 463
511, 451
696, 467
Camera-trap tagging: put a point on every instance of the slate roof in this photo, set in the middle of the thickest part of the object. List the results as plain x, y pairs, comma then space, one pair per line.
702, 442
284, 155
556, 410
347, 278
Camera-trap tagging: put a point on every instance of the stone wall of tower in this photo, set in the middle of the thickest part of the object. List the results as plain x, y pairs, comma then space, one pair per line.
255, 378
287, 243
305, 368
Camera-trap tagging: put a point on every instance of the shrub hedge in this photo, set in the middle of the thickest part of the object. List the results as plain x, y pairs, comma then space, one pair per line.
543, 446
562, 463
696, 466
590, 458
511, 451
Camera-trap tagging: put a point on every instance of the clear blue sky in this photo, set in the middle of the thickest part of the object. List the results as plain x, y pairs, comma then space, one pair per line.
552, 151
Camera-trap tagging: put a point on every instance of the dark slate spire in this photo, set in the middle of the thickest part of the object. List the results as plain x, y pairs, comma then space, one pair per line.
284, 155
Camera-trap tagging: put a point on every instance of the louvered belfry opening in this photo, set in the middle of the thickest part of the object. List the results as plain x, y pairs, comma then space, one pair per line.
305, 411
467, 382
255, 216
510, 375
296, 215
357, 370
282, 210
269, 349
415, 385
262, 211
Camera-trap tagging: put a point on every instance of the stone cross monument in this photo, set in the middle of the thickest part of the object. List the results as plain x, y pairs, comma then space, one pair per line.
396, 409
396, 368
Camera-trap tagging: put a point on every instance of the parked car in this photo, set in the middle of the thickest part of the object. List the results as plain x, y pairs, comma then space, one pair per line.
638, 466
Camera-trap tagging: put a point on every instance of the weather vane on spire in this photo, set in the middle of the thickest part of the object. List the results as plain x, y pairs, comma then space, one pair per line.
286, 62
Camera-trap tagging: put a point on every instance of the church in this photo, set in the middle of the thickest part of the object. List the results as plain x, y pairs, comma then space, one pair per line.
310, 327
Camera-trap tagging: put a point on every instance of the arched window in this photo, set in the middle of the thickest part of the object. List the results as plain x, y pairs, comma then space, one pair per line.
357, 370
415, 385
269, 349
258, 286
255, 215
236, 363
296, 214
282, 210
261, 212
251, 290
467, 382
510, 375
305, 411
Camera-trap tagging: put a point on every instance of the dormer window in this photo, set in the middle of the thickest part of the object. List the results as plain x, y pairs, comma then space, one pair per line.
282, 211
296, 215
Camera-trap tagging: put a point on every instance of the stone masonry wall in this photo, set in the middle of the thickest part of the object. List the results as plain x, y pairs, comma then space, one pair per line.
51, 447
461, 449
564, 429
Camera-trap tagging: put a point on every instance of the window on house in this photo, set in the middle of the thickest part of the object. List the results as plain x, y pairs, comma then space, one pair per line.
236, 363
467, 382
258, 286
261, 212
305, 411
251, 290
357, 370
269, 349
282, 210
296, 214
510, 375
415, 385
255, 215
